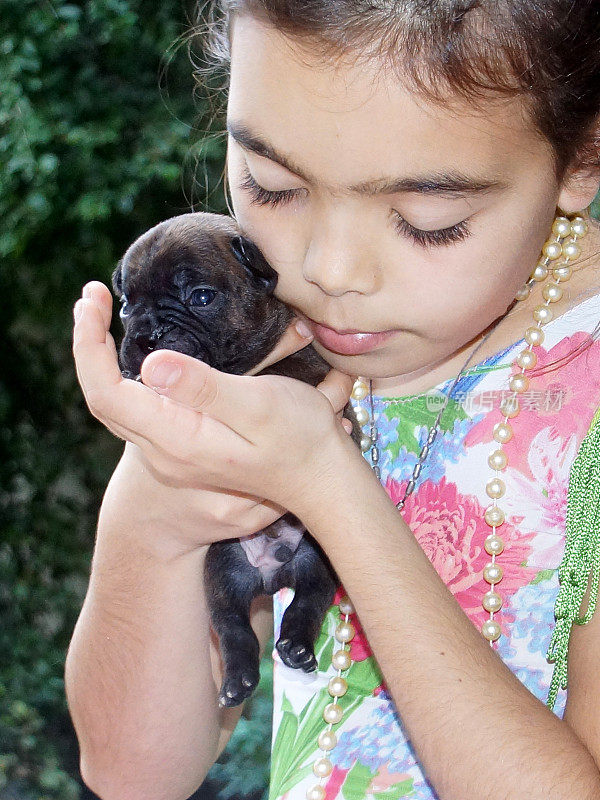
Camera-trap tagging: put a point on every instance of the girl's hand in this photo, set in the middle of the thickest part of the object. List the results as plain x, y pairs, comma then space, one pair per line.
256, 437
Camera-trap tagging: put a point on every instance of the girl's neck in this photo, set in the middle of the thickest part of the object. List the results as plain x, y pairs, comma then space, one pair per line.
584, 283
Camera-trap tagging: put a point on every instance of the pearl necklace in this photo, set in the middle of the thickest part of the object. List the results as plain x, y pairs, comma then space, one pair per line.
555, 265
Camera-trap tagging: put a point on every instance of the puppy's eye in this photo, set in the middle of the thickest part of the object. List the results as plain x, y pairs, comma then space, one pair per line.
202, 297
125, 307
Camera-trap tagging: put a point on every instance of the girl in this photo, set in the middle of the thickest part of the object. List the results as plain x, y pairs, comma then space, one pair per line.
409, 169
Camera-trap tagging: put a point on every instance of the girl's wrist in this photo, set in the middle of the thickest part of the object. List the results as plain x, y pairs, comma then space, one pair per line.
340, 465
154, 519
137, 516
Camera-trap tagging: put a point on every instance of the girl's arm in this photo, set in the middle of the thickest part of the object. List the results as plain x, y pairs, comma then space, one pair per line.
142, 671
477, 730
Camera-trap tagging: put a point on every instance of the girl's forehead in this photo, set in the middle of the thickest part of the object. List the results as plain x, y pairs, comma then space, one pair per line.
356, 115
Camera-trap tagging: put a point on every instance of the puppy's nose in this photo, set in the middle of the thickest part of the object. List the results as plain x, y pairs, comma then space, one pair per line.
146, 342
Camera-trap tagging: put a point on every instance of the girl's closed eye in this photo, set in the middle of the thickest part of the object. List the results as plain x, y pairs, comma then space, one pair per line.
424, 238
260, 196
438, 237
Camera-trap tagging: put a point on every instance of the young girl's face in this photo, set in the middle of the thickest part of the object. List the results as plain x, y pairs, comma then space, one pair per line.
314, 152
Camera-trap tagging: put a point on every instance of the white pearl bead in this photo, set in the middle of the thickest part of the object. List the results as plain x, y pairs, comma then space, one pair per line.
540, 273
523, 293
534, 335
495, 488
491, 630
365, 443
494, 516
322, 767
492, 573
337, 687
552, 292
316, 793
498, 460
346, 606
362, 415
327, 740
345, 632
552, 250
341, 660
562, 273
333, 713
527, 359
493, 545
503, 432
561, 227
542, 314
579, 227
360, 390
492, 601
510, 407
518, 383
571, 250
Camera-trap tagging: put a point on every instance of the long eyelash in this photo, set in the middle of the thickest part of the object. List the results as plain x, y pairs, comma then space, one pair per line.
436, 238
263, 197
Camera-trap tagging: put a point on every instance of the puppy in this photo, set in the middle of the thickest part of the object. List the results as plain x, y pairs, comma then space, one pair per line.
194, 284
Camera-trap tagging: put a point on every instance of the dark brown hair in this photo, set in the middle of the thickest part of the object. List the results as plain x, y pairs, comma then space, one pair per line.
546, 51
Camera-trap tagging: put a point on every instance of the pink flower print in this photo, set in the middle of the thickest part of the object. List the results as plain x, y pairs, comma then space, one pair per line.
451, 530
539, 503
563, 394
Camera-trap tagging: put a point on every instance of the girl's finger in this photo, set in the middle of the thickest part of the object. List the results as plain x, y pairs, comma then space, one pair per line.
101, 296
110, 398
337, 386
95, 359
290, 342
347, 425
197, 386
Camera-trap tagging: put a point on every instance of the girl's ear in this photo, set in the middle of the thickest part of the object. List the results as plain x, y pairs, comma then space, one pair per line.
581, 184
579, 190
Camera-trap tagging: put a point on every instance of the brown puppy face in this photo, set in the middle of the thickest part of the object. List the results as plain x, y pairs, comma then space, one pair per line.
195, 285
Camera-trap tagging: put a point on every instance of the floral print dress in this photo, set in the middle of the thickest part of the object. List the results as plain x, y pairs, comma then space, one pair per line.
373, 758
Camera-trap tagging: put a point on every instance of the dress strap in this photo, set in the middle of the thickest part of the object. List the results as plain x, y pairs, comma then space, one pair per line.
580, 567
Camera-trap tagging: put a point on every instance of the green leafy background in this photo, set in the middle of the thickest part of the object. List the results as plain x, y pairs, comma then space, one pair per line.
100, 138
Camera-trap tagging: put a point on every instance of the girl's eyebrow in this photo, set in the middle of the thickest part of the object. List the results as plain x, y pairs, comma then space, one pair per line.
442, 184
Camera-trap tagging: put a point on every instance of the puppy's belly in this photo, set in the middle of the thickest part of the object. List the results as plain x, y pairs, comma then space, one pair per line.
267, 552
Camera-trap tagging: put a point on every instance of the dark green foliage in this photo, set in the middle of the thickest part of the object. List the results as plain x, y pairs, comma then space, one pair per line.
94, 141
243, 769
95, 147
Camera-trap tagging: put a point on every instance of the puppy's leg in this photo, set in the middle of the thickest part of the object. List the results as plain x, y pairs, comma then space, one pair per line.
231, 585
315, 584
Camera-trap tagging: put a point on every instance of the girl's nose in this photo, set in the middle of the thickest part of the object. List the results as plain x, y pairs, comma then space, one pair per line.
340, 261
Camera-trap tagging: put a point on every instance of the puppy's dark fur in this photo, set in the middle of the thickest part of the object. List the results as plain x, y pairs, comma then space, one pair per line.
195, 285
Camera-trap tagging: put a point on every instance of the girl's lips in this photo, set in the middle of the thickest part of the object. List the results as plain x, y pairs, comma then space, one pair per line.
347, 344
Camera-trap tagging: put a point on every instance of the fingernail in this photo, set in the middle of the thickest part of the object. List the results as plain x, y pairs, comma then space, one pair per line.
164, 375
78, 310
87, 292
303, 329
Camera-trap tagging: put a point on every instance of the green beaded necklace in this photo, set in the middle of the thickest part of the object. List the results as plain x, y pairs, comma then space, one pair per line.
580, 566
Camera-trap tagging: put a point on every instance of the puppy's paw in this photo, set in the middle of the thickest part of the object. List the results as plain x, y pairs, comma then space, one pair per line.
298, 655
236, 688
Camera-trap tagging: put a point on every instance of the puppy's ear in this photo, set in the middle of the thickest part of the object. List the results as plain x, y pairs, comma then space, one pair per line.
117, 279
255, 264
